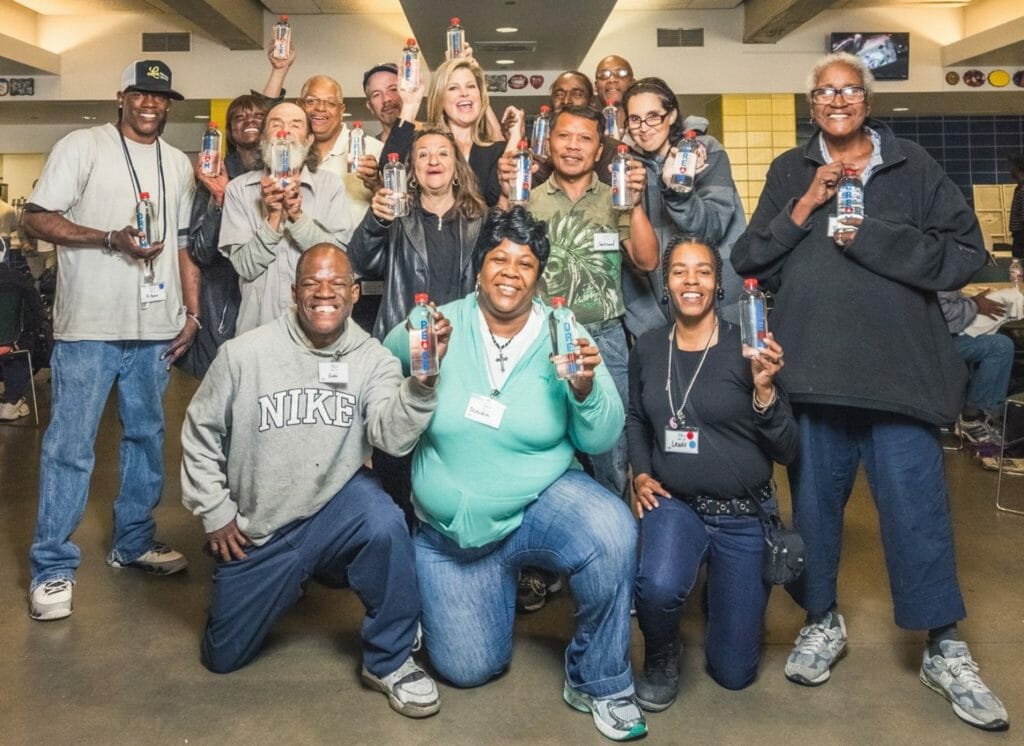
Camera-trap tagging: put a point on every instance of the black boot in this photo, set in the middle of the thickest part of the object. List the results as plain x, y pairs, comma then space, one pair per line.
656, 689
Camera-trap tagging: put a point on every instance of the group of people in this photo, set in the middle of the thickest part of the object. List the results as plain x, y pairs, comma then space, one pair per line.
259, 295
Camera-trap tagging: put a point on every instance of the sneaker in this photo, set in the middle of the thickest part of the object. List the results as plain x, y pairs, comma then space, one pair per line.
817, 649
620, 719
535, 585
656, 689
411, 691
10, 411
979, 432
160, 560
51, 600
1010, 465
954, 675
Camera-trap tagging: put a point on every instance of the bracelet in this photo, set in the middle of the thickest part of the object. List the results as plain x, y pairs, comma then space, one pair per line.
762, 408
194, 317
108, 246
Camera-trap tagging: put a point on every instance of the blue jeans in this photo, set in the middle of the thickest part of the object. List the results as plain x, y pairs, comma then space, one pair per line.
358, 540
674, 543
469, 595
990, 359
903, 460
83, 374
610, 468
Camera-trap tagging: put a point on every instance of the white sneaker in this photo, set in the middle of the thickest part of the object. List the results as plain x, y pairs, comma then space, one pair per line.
160, 560
10, 412
817, 649
50, 600
954, 675
411, 691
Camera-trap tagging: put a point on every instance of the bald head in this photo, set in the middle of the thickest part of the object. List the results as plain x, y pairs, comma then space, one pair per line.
613, 76
324, 293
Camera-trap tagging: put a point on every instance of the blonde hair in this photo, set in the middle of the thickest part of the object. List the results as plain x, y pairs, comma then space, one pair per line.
852, 61
482, 134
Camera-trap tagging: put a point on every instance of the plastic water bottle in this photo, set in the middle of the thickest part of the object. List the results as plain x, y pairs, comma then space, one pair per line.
519, 190
422, 338
395, 179
280, 157
409, 69
282, 38
685, 164
621, 197
1016, 274
849, 206
356, 146
611, 121
454, 40
562, 323
145, 220
753, 319
541, 133
209, 157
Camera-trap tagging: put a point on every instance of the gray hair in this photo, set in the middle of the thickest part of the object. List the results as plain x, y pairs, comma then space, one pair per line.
852, 61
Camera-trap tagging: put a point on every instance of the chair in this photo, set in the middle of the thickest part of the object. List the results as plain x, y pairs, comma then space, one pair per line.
1017, 400
11, 326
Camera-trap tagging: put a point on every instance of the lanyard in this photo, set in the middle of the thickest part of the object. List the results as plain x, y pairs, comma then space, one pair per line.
678, 416
137, 187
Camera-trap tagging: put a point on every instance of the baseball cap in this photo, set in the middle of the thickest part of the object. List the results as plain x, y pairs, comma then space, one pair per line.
383, 67
149, 76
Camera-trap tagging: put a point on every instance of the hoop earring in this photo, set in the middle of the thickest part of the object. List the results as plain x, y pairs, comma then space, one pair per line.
456, 182
412, 183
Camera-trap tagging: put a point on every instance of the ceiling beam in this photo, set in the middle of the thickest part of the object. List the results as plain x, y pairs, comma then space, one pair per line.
21, 58
238, 24
999, 45
767, 21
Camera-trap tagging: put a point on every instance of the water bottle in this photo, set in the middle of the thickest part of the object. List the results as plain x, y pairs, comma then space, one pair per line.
454, 40
1016, 274
282, 39
621, 197
356, 146
209, 158
611, 121
519, 194
562, 323
753, 319
280, 157
539, 136
849, 206
396, 180
409, 69
685, 164
145, 220
422, 338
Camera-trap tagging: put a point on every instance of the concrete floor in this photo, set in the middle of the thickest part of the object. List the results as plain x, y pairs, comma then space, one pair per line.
124, 669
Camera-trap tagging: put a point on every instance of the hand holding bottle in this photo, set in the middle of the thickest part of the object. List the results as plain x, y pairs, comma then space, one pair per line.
821, 189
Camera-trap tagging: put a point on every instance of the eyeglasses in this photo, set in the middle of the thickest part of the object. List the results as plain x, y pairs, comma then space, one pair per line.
852, 94
622, 72
651, 120
311, 102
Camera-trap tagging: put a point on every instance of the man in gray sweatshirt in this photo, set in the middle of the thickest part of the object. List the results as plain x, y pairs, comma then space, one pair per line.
274, 443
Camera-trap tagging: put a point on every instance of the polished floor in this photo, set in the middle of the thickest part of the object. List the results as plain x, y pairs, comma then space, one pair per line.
124, 668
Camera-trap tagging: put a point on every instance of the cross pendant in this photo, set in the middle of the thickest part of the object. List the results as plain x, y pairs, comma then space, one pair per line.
501, 360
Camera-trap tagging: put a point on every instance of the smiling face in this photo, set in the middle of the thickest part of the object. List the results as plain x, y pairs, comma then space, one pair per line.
641, 108
321, 99
433, 162
691, 281
142, 115
508, 281
291, 119
610, 82
382, 97
461, 102
839, 119
324, 293
575, 145
245, 126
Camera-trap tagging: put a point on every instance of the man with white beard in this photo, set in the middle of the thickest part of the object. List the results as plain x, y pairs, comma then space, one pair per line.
268, 223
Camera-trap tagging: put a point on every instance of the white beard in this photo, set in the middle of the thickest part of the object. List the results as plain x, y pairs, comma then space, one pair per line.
297, 152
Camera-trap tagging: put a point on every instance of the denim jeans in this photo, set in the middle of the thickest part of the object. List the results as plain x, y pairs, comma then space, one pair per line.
83, 374
903, 460
358, 540
469, 595
990, 359
610, 468
674, 543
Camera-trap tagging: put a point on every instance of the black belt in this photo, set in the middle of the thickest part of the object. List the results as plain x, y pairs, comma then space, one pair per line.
708, 505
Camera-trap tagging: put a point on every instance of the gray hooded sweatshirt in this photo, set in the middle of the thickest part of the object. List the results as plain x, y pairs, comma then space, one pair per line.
265, 442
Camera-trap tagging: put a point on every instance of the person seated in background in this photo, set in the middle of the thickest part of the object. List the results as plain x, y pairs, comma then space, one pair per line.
989, 359
268, 223
495, 488
273, 447
15, 373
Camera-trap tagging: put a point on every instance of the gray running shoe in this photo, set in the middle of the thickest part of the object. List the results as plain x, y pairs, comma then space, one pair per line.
619, 719
656, 690
51, 600
817, 649
411, 691
954, 675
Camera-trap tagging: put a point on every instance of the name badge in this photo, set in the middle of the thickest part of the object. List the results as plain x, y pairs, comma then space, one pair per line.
686, 441
834, 226
606, 241
334, 371
485, 410
152, 292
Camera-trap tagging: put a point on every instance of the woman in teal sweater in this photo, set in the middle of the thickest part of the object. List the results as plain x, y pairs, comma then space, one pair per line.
496, 486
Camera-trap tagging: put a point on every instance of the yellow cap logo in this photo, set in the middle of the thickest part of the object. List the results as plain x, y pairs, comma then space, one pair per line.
154, 72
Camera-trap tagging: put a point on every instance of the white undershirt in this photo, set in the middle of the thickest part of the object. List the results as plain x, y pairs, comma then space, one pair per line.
517, 348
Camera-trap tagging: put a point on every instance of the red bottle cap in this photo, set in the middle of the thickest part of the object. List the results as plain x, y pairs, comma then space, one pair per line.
544, 109
410, 42
421, 298
213, 124
691, 133
455, 22
284, 18
143, 195
523, 145
392, 157
850, 171
359, 125
750, 283
557, 302
621, 148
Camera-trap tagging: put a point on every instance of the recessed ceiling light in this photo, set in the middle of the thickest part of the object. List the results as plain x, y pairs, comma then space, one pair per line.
506, 29
901, 108
88, 118
504, 62
201, 116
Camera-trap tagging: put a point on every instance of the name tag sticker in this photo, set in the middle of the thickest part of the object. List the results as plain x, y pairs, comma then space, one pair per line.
334, 372
606, 241
682, 441
152, 292
485, 410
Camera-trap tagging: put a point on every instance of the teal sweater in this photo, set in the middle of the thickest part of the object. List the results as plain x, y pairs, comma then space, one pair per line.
472, 482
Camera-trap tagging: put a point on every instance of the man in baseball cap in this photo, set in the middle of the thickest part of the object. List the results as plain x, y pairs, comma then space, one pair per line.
380, 84
149, 76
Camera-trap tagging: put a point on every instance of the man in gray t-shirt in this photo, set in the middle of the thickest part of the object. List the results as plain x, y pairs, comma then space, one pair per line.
127, 307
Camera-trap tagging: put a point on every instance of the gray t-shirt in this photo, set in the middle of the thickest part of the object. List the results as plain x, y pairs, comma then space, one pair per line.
87, 180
